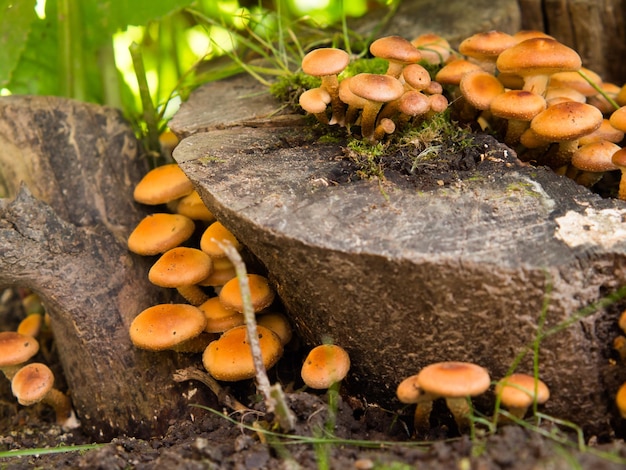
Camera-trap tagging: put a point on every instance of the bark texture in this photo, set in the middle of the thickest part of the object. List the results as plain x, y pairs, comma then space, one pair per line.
68, 171
411, 277
596, 29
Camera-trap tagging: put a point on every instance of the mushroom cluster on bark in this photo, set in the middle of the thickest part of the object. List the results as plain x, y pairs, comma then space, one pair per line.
377, 103
191, 257
528, 86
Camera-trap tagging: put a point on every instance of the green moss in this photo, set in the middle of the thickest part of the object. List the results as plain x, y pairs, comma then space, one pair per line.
211, 159
288, 88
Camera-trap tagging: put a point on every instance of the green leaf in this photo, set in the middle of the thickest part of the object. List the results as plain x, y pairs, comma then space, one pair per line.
115, 15
15, 23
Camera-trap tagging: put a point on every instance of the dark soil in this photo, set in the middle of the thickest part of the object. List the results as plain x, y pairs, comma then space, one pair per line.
366, 436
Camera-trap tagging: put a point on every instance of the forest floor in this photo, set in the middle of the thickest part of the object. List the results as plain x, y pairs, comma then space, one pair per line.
363, 437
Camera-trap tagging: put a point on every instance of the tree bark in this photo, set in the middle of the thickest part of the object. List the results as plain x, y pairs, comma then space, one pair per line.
596, 29
70, 169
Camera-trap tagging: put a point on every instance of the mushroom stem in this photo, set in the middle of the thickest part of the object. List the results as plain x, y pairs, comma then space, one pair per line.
331, 84
461, 410
193, 294
61, 404
421, 418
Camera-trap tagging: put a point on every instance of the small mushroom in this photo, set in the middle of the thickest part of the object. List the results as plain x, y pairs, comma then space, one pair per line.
213, 236
519, 391
409, 392
261, 293
157, 233
193, 207
162, 184
229, 358
220, 318
182, 268
324, 366
377, 90
434, 48
169, 326
565, 123
397, 51
518, 107
34, 383
15, 350
620, 400
455, 382
619, 160
485, 47
593, 160
327, 63
315, 101
278, 323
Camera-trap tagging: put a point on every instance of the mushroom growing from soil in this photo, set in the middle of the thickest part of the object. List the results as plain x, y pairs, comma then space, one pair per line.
324, 366
182, 268
397, 51
518, 392
536, 59
15, 350
261, 293
34, 383
409, 392
565, 123
162, 184
327, 63
229, 358
315, 101
377, 90
157, 233
593, 160
169, 326
456, 382
518, 107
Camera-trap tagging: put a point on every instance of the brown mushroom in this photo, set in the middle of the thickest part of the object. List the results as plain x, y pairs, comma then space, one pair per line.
162, 184
157, 233
315, 101
536, 59
261, 293
229, 358
377, 90
518, 107
518, 392
327, 63
324, 366
455, 382
397, 51
565, 123
15, 350
34, 383
485, 47
169, 326
183, 268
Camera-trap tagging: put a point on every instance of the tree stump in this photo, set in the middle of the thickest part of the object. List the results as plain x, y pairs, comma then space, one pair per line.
459, 272
68, 172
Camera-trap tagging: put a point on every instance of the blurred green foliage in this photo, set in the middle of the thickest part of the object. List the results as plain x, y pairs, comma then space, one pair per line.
144, 56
